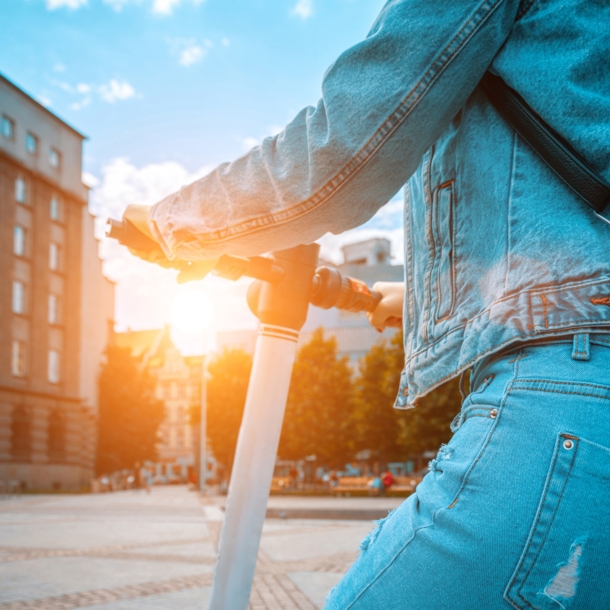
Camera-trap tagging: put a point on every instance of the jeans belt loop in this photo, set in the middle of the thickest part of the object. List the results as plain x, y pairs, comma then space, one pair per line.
582, 347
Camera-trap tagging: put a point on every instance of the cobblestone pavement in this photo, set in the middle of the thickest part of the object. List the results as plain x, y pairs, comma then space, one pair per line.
138, 551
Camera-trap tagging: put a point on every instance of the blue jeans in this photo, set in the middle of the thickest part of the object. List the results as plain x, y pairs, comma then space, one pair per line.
516, 508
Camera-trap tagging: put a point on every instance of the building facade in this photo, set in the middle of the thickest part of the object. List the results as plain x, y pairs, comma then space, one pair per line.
178, 385
56, 306
369, 261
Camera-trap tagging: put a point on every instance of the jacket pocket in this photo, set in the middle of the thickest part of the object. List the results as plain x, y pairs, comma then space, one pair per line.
565, 562
443, 283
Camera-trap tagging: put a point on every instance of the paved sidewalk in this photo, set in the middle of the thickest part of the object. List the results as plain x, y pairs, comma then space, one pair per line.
138, 551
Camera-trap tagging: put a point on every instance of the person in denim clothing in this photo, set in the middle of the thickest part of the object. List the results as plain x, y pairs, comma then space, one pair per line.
507, 274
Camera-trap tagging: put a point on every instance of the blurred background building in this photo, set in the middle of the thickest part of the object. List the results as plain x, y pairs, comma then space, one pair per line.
56, 305
178, 385
369, 261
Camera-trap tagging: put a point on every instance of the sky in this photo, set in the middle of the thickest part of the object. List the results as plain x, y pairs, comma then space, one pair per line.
165, 90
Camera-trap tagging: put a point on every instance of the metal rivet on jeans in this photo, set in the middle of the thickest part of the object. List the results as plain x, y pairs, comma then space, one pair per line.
405, 392
568, 444
493, 413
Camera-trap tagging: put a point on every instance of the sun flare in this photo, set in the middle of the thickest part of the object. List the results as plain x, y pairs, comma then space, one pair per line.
192, 311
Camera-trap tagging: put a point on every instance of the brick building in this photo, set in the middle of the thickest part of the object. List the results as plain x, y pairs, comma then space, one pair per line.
56, 306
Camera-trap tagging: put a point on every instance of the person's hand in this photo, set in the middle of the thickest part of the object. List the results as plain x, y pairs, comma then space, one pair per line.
137, 215
389, 310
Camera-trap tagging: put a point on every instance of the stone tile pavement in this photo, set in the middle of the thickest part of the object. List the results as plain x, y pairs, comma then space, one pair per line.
146, 551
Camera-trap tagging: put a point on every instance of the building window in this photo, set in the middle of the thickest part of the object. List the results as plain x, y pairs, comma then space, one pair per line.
53, 257
18, 240
7, 126
31, 143
20, 436
54, 157
54, 209
56, 436
18, 358
20, 190
18, 297
53, 372
53, 309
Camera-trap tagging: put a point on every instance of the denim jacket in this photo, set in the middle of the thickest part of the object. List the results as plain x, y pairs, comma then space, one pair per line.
497, 249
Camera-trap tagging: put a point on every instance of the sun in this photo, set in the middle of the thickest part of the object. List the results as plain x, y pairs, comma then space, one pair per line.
192, 311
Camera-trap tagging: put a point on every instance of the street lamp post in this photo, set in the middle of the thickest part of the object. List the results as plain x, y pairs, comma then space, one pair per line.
203, 465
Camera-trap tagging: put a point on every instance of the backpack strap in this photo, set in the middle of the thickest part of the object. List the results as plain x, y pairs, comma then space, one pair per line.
567, 164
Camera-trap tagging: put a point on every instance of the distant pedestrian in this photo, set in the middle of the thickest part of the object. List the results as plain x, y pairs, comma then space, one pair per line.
388, 479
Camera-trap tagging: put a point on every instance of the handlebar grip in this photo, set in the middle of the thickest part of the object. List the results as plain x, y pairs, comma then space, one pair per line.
331, 289
355, 295
127, 234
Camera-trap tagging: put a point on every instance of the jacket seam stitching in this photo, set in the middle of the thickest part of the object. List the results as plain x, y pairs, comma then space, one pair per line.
508, 203
573, 286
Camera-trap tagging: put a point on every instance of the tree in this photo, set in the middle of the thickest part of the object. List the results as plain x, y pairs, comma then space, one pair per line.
379, 425
319, 414
227, 386
427, 426
395, 434
129, 413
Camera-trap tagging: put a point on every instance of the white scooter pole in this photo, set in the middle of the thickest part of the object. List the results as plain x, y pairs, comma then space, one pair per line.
257, 445
282, 309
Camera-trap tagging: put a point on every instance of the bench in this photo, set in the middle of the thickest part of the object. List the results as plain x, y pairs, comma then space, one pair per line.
403, 485
280, 484
349, 485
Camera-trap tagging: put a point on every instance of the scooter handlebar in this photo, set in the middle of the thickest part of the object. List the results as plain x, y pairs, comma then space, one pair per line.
330, 288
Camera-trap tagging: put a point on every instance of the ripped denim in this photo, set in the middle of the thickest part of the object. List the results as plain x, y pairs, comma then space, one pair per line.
515, 510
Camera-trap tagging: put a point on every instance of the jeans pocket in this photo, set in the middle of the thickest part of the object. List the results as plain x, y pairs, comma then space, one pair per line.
565, 563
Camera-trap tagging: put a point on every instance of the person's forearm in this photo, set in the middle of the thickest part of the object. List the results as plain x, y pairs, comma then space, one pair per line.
384, 102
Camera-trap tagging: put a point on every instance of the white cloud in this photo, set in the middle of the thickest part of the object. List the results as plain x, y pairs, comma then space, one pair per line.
189, 50
80, 105
191, 55
225, 42
160, 7
59, 67
71, 4
303, 9
115, 90
110, 92
249, 143
45, 100
166, 7
89, 180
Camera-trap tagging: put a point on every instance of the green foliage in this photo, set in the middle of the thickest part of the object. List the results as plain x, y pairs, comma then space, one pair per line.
379, 425
227, 386
393, 434
129, 413
319, 412
426, 427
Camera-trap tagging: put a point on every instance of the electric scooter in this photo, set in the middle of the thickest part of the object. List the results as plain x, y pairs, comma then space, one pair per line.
287, 282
